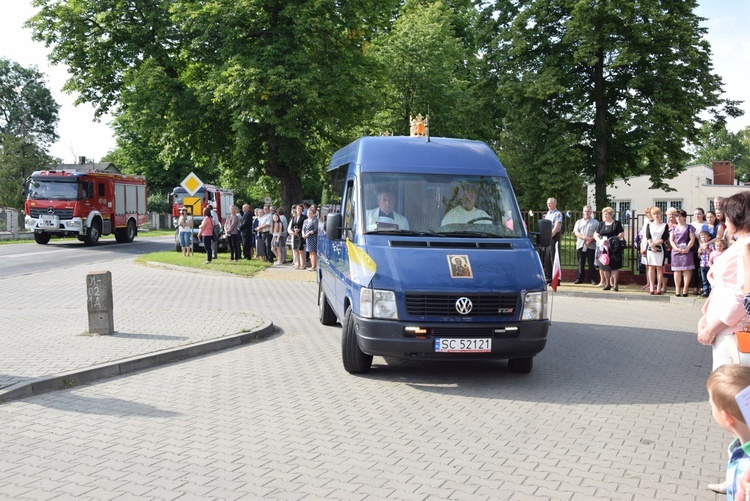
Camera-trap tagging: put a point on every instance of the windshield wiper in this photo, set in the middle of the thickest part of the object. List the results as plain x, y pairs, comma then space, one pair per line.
406, 232
472, 234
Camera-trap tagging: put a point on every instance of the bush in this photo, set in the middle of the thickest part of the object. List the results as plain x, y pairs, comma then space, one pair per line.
159, 202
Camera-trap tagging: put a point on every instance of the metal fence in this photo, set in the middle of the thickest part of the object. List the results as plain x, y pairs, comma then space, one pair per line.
568, 258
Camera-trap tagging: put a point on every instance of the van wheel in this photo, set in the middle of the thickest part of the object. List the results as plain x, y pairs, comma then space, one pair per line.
325, 312
355, 361
42, 238
521, 365
95, 231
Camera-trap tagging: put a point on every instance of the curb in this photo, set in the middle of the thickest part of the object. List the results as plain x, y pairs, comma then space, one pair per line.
631, 296
82, 376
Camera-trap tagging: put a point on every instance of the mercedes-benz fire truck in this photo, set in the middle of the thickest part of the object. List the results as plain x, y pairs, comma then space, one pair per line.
85, 204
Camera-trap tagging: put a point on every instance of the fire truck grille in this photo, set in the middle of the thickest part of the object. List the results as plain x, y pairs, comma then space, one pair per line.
434, 305
61, 213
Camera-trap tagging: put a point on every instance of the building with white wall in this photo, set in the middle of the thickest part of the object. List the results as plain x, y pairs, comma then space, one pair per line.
696, 186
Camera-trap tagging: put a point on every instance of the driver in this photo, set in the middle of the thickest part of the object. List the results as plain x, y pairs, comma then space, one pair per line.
466, 212
384, 217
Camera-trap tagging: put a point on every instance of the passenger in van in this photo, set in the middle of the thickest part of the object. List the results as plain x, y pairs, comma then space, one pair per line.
466, 211
384, 217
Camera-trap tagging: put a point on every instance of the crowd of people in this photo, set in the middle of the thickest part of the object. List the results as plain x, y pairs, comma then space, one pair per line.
260, 233
711, 256
666, 242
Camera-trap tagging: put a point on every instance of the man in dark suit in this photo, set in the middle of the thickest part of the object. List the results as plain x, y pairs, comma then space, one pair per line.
246, 230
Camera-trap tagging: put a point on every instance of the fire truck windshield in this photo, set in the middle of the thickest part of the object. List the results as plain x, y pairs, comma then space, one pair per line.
45, 189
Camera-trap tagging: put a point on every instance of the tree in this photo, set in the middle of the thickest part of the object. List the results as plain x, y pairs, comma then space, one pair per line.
28, 122
719, 144
423, 64
250, 87
622, 83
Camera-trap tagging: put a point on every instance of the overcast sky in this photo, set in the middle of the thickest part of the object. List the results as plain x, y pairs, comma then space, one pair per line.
727, 23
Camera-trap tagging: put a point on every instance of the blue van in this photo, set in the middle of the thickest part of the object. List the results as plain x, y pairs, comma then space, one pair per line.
428, 256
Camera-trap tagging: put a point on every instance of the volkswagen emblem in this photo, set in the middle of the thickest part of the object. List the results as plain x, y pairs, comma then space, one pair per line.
463, 305
51, 210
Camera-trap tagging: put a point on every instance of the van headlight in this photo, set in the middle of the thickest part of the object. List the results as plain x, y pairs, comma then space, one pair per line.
374, 303
535, 306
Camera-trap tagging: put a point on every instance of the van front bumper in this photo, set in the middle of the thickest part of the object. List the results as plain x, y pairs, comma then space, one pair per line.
396, 338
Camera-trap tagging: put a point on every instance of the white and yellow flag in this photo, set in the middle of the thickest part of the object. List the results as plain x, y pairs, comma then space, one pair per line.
361, 266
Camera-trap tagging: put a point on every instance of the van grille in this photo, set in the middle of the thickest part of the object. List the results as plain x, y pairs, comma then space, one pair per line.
61, 213
439, 305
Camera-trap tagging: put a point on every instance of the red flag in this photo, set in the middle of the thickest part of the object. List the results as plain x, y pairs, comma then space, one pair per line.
556, 271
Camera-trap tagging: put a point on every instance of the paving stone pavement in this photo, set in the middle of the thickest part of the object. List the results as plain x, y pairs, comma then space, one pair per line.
614, 409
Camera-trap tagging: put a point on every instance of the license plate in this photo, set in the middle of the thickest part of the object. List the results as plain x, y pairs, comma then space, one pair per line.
48, 222
457, 345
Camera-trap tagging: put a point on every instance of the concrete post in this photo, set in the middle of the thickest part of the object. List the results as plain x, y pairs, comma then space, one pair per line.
100, 304
12, 216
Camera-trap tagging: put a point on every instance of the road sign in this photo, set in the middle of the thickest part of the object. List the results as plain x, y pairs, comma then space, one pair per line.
192, 184
267, 200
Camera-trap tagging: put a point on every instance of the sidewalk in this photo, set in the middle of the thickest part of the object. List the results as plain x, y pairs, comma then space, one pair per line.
161, 315
630, 292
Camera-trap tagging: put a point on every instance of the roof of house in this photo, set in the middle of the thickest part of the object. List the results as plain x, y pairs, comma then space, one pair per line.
89, 167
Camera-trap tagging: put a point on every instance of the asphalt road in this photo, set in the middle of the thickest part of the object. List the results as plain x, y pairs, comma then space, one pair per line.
26, 258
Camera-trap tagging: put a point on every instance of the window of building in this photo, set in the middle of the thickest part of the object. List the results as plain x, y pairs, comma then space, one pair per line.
665, 203
622, 210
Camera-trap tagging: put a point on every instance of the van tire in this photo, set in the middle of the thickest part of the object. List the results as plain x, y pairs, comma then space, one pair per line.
521, 365
325, 312
355, 361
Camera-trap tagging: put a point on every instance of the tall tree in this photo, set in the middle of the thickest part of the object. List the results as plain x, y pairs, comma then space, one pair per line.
623, 83
254, 87
28, 125
717, 143
424, 64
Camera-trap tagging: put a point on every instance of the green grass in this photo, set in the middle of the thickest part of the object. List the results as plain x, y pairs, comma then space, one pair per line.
242, 268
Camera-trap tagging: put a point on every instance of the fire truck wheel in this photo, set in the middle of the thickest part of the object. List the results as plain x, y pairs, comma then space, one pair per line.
42, 238
127, 234
92, 237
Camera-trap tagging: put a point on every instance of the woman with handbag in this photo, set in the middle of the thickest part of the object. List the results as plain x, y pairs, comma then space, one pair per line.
610, 232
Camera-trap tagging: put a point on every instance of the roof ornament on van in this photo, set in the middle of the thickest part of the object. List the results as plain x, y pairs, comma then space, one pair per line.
420, 126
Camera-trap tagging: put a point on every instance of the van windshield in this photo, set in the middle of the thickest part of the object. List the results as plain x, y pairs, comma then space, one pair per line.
449, 205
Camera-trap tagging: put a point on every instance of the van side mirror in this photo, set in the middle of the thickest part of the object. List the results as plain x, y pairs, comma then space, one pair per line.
544, 235
333, 226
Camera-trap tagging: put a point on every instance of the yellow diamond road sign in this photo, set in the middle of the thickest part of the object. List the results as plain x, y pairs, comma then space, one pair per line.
191, 183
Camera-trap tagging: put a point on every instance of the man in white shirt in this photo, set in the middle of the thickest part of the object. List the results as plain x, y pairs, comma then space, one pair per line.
555, 216
264, 230
384, 217
466, 212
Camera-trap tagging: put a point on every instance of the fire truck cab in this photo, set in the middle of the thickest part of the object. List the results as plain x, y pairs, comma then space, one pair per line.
85, 204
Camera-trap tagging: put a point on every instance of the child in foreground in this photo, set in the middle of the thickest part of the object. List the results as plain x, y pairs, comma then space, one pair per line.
723, 385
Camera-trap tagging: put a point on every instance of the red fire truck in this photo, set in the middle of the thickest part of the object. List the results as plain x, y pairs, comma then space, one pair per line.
221, 199
85, 204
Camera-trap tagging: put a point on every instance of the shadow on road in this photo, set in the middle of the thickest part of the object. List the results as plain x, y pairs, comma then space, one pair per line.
582, 364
